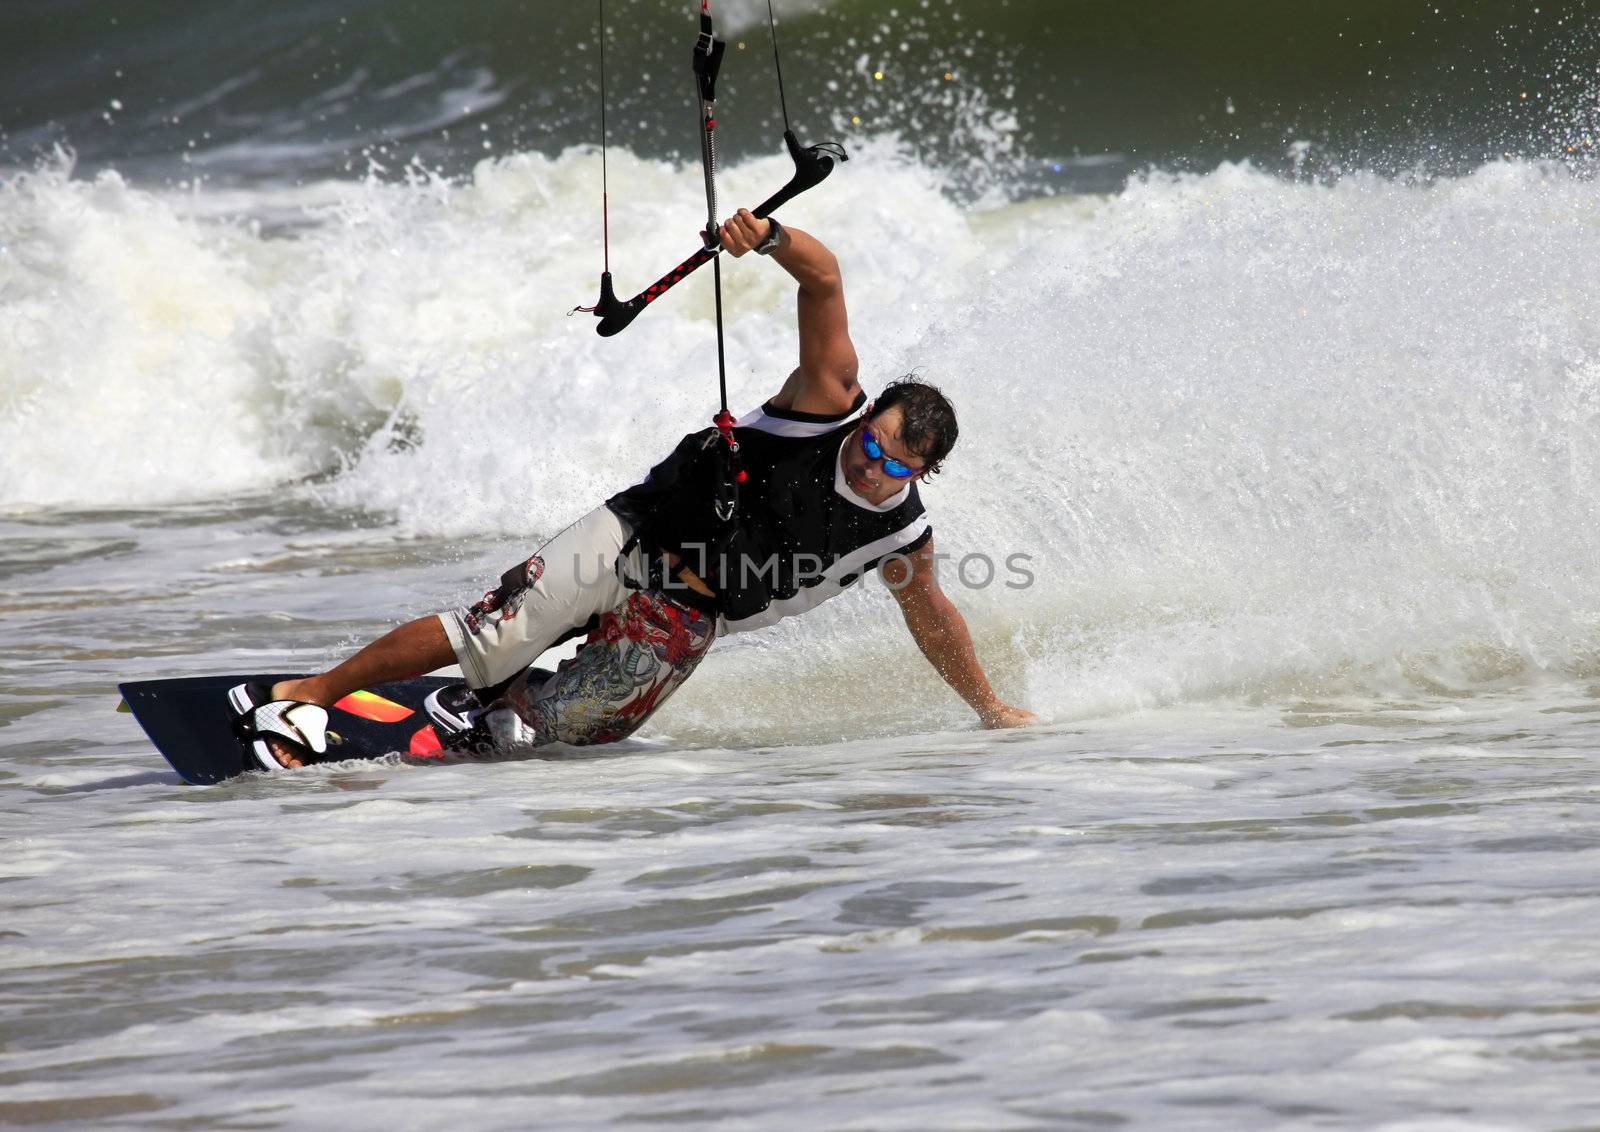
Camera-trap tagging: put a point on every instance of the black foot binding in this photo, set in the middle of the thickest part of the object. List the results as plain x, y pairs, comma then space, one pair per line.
300, 727
475, 744
452, 709
457, 715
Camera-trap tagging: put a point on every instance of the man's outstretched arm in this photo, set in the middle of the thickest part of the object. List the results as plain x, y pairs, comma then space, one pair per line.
826, 380
941, 633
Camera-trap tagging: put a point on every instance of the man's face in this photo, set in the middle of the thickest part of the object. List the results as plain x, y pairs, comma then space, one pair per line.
866, 477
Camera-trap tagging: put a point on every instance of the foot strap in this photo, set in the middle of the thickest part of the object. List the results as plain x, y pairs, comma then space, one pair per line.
300, 726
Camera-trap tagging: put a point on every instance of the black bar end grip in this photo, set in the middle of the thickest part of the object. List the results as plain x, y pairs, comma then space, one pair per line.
619, 317
812, 164
614, 314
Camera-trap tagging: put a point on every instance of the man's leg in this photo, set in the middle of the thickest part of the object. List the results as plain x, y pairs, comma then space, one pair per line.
559, 589
411, 650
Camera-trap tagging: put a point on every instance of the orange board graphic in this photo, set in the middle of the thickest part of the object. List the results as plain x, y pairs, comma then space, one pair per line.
370, 705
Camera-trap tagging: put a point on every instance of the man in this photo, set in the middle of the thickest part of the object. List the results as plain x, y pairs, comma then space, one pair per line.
827, 492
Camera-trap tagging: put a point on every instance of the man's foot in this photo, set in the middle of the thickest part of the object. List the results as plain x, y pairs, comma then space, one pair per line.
292, 690
280, 727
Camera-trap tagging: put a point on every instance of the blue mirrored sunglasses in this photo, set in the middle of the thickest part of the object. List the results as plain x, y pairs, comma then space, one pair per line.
893, 467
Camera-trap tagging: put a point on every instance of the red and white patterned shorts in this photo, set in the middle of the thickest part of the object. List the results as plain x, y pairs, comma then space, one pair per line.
641, 646
629, 666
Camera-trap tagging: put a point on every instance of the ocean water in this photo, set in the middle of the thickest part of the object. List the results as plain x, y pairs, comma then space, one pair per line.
1281, 441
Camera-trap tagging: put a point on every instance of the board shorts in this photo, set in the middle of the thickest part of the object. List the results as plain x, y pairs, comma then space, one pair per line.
593, 580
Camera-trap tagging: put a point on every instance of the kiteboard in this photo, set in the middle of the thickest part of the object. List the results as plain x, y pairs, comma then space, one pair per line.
188, 721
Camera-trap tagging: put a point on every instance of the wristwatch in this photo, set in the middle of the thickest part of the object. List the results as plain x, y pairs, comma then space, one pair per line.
774, 238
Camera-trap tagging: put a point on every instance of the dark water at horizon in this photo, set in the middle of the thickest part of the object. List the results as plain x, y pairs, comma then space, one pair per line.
249, 93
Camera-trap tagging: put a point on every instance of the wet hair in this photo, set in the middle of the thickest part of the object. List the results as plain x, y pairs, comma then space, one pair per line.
928, 420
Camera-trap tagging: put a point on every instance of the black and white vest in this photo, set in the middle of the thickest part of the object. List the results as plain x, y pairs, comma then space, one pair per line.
801, 534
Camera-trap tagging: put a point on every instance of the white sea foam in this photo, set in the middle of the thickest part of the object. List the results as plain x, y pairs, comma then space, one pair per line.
1254, 434
736, 16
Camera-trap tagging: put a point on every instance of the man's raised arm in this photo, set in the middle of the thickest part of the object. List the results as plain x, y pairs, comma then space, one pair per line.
825, 381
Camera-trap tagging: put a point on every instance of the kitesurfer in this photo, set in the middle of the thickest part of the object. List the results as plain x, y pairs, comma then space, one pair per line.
827, 490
